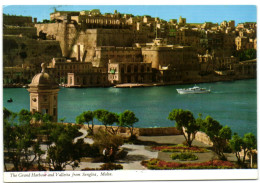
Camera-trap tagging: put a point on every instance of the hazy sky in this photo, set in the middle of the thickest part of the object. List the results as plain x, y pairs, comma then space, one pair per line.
193, 13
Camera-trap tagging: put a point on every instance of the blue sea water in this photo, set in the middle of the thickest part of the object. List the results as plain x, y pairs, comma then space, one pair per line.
231, 103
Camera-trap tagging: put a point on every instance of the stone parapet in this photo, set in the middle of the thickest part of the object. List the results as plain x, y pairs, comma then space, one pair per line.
164, 131
158, 131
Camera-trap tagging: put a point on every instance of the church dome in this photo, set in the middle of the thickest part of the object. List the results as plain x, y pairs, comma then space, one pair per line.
43, 79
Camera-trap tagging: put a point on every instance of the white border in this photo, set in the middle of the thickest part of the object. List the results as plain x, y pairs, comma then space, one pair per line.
131, 175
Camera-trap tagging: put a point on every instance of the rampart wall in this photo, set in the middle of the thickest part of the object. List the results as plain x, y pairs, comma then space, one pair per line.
24, 31
72, 34
23, 50
17, 20
163, 131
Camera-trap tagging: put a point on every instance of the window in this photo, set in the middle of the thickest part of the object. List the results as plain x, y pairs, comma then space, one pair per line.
129, 68
45, 98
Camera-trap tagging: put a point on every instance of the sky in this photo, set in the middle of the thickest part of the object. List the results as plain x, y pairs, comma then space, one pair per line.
192, 13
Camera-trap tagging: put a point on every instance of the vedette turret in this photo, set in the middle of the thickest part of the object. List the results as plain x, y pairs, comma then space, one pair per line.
44, 94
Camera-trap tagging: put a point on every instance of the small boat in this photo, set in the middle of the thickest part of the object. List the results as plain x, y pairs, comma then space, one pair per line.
194, 90
10, 100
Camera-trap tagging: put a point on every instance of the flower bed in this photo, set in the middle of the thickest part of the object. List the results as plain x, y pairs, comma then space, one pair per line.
156, 164
184, 156
180, 148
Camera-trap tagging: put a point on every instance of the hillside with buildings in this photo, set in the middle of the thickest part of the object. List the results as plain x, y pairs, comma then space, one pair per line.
88, 48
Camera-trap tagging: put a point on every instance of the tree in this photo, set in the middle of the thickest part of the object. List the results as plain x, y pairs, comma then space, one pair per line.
236, 144
25, 116
87, 117
6, 113
245, 54
63, 151
45, 21
128, 119
249, 143
108, 119
245, 144
186, 123
103, 139
62, 119
218, 134
20, 141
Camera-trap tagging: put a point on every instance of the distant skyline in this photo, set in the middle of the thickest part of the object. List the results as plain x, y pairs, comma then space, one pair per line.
192, 13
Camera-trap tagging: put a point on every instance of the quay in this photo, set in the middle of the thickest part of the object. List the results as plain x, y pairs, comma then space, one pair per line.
135, 85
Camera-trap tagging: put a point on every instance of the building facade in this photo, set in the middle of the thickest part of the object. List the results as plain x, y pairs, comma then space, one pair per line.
171, 62
129, 72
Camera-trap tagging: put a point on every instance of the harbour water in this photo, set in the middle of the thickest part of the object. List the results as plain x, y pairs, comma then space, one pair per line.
232, 103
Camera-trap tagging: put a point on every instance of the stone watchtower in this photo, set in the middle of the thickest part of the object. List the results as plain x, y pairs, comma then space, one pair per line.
44, 94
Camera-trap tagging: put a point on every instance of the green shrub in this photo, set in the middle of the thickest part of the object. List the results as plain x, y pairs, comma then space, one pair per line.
184, 156
91, 150
103, 139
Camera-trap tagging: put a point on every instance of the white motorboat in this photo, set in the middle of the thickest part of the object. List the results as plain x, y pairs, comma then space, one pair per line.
195, 90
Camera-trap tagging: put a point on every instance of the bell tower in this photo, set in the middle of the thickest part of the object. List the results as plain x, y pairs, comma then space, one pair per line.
44, 94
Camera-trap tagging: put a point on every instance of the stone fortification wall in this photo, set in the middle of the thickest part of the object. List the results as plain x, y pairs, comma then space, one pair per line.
69, 35
90, 39
24, 31
49, 29
17, 20
115, 37
22, 50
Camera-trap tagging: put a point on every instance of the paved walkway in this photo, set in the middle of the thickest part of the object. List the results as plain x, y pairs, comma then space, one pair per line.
138, 153
84, 135
132, 161
163, 140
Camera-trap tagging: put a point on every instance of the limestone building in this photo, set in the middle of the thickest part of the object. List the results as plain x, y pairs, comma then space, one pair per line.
244, 43
97, 77
210, 63
44, 94
73, 73
170, 62
116, 54
129, 72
